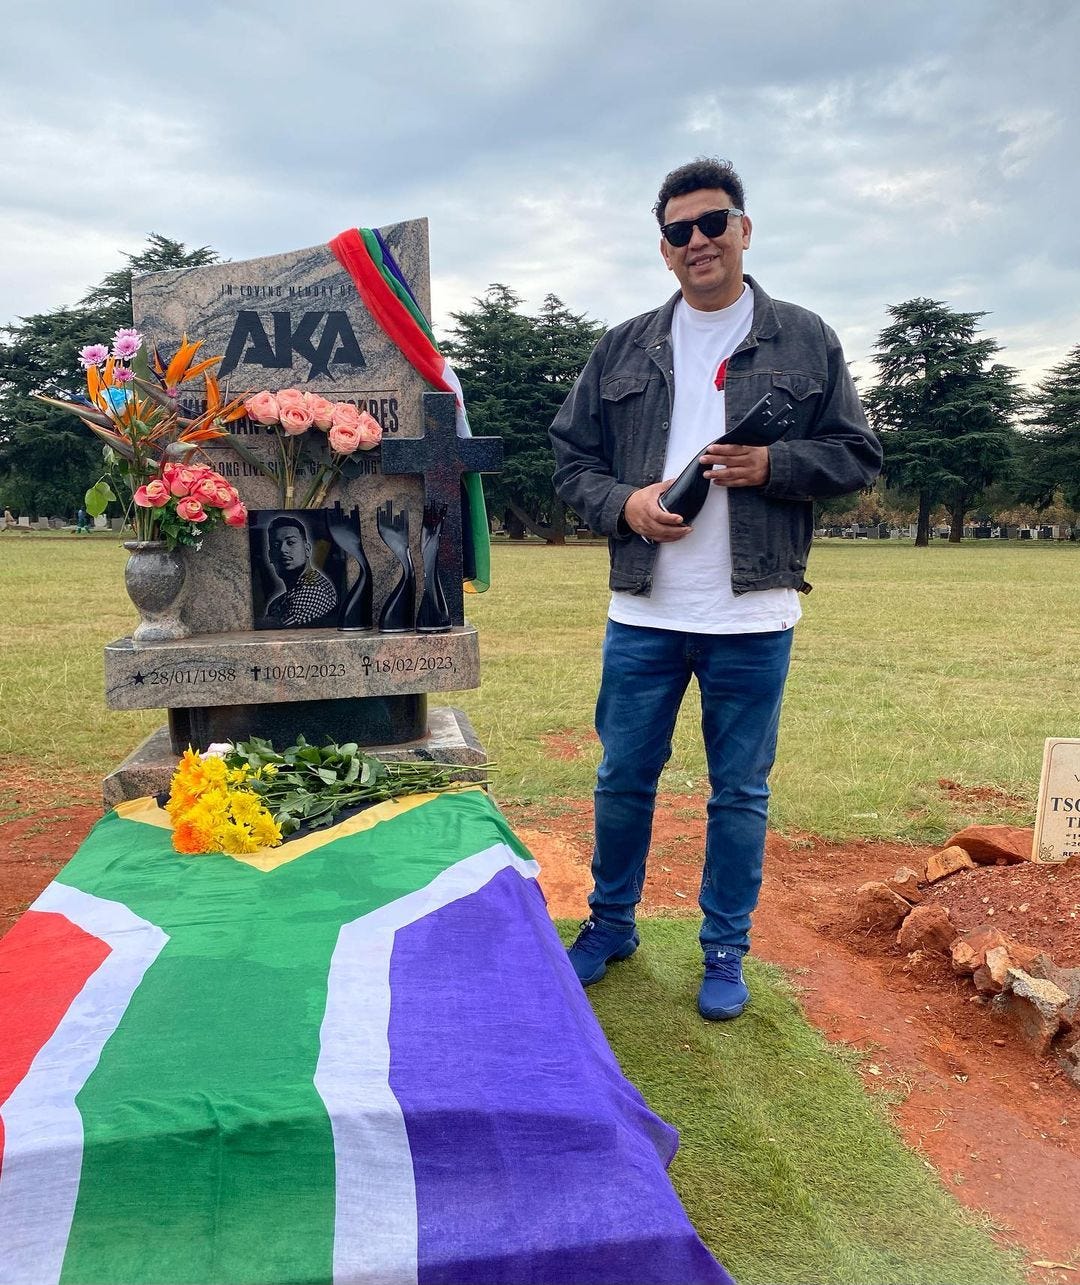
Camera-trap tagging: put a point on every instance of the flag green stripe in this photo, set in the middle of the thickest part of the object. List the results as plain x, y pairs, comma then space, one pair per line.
473, 484
375, 250
474, 488
203, 1130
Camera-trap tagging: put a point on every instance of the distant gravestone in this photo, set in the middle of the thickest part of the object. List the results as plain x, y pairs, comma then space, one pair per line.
297, 320
1057, 821
24, 521
101, 522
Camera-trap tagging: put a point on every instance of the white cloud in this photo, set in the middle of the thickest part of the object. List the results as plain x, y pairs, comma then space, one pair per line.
888, 151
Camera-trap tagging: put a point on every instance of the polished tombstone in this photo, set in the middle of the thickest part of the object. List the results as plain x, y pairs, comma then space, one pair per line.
296, 320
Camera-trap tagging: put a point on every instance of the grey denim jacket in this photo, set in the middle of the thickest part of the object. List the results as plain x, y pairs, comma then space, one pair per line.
610, 438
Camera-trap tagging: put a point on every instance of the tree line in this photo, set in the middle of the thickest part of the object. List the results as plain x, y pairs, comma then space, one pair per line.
958, 429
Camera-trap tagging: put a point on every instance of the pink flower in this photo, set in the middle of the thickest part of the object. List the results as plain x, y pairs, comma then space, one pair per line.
370, 431
92, 355
126, 343
345, 438
296, 419
154, 495
235, 514
345, 416
122, 374
262, 408
291, 397
180, 478
322, 411
205, 491
214, 491
190, 510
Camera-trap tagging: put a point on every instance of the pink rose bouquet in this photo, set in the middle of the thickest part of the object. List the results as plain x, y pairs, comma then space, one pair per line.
187, 500
299, 421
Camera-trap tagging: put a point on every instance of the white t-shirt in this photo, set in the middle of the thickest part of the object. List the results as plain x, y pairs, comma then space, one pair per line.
691, 589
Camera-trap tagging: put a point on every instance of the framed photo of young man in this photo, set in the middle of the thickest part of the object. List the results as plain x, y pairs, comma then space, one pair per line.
298, 574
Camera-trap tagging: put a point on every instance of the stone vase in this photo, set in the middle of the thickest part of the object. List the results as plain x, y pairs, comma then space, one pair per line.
155, 577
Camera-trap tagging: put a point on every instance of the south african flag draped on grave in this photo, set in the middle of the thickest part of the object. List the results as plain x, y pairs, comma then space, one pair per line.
366, 257
362, 1056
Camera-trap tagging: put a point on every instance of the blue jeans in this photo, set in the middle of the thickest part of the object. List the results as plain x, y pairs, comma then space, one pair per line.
645, 675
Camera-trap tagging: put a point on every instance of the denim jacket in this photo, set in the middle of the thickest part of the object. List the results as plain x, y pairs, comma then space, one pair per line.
610, 438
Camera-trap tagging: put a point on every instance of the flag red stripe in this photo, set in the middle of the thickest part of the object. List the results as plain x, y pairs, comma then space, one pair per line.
45, 961
387, 309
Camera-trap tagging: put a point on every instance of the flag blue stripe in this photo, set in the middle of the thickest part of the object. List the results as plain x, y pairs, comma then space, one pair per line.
534, 1158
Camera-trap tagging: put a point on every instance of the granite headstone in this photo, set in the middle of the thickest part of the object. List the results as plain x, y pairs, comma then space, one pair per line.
296, 320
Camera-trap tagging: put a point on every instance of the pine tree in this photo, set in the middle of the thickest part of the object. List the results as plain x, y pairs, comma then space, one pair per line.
944, 416
515, 371
1051, 454
47, 457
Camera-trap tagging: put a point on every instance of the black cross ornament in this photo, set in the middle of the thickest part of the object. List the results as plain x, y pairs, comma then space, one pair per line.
441, 457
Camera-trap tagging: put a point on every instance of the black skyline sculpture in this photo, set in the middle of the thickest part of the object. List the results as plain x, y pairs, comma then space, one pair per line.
356, 609
434, 614
398, 612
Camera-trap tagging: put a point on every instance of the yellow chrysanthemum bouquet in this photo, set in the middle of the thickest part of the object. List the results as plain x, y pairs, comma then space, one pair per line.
239, 798
214, 808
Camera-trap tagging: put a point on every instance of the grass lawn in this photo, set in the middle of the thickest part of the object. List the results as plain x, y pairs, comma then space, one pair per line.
910, 665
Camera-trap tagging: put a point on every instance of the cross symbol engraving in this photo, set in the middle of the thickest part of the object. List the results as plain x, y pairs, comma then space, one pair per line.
441, 457
255, 671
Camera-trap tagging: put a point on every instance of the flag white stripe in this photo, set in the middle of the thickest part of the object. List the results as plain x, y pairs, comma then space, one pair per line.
43, 1133
375, 1232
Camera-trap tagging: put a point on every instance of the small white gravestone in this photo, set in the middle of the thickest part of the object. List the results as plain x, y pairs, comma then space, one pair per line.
1057, 821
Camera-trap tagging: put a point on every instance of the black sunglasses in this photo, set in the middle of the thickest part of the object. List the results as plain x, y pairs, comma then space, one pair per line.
712, 224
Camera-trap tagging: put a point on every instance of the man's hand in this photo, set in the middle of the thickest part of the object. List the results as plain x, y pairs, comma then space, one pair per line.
645, 516
736, 465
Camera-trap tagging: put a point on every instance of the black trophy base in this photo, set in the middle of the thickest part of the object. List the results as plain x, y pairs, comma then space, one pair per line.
365, 720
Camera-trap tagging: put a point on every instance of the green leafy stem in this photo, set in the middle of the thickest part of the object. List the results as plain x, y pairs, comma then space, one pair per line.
309, 785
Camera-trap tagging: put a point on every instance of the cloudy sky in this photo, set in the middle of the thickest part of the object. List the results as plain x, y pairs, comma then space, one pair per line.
918, 147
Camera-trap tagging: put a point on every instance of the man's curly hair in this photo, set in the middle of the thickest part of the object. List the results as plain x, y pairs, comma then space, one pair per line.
705, 171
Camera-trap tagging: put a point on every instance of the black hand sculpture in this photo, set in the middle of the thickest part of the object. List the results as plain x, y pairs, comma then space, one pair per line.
434, 615
356, 610
760, 426
397, 615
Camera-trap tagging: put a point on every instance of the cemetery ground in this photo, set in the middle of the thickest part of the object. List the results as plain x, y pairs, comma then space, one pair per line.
922, 686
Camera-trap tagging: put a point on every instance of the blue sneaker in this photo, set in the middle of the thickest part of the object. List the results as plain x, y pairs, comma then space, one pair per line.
723, 993
596, 946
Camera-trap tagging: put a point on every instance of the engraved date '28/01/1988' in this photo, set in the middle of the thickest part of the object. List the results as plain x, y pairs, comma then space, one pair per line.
294, 672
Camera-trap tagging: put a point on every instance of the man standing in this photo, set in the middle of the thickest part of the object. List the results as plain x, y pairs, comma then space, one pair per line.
716, 598
309, 596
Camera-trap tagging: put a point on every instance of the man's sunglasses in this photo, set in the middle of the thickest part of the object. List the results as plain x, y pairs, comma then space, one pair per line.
712, 224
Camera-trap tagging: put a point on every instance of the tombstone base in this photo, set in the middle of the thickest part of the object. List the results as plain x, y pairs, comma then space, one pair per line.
367, 720
449, 738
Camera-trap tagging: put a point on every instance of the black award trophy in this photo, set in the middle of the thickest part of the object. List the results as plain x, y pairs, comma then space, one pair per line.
356, 612
434, 614
397, 615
